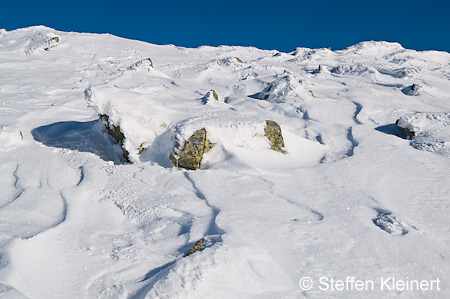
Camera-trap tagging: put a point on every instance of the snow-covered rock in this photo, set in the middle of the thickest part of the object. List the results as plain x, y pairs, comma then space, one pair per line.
189, 155
354, 70
412, 90
428, 131
283, 89
10, 138
374, 48
210, 96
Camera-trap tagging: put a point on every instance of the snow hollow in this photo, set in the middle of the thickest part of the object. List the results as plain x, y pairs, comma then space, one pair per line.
133, 170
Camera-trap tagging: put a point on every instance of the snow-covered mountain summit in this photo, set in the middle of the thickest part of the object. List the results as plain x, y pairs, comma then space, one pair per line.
318, 163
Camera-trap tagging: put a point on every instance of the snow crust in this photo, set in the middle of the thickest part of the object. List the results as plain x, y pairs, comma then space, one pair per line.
351, 198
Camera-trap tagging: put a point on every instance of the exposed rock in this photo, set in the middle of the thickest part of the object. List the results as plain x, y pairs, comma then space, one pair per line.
272, 131
191, 154
115, 132
197, 247
413, 90
141, 148
51, 43
144, 64
321, 70
228, 61
214, 94
210, 95
42, 42
408, 131
266, 93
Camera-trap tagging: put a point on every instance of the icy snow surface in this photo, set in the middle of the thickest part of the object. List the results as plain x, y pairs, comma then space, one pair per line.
353, 197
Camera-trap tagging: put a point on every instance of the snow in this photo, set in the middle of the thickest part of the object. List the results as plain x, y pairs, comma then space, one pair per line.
352, 197
430, 131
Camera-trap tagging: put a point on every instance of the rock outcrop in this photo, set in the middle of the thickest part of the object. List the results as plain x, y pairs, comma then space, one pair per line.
210, 96
413, 90
115, 132
43, 42
190, 155
286, 88
197, 247
272, 131
51, 43
144, 64
408, 131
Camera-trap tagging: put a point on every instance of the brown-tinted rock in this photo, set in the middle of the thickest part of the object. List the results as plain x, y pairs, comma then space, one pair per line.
272, 131
191, 154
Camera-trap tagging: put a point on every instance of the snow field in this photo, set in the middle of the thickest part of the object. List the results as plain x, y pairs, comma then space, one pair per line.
351, 198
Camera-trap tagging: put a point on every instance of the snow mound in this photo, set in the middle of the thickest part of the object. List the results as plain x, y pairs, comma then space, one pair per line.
413, 90
144, 65
311, 54
373, 48
429, 131
134, 103
390, 224
210, 97
405, 72
30, 40
140, 116
45, 42
239, 131
10, 138
354, 70
283, 87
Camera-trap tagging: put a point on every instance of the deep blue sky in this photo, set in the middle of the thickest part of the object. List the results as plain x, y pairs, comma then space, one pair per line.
277, 24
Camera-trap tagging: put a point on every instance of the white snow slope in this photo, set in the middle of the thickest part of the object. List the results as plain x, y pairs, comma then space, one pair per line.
350, 201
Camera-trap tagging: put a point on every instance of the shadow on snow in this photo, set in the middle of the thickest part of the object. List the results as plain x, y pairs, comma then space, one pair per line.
79, 136
392, 129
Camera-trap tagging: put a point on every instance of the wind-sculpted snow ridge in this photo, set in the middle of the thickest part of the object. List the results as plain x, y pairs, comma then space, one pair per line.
300, 169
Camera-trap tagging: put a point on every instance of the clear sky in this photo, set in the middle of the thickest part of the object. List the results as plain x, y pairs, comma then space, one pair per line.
277, 24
